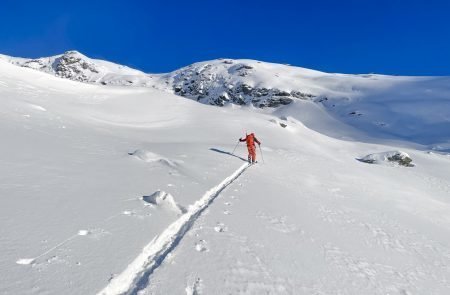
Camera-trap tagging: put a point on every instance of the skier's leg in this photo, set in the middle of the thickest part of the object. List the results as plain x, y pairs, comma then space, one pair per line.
253, 154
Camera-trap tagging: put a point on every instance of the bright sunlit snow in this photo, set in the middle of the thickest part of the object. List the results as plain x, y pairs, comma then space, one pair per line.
112, 189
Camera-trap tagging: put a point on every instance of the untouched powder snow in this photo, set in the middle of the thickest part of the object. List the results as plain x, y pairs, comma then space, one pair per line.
96, 182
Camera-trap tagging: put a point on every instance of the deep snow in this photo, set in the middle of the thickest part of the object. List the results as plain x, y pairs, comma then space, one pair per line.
79, 161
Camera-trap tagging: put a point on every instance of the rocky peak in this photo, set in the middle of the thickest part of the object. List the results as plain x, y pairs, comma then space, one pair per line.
217, 82
225, 81
75, 66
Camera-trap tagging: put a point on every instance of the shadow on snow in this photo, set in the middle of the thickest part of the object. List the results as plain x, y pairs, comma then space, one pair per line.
227, 153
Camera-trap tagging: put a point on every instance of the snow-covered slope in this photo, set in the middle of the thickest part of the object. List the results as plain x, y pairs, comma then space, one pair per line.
75, 66
384, 107
242, 82
133, 190
389, 107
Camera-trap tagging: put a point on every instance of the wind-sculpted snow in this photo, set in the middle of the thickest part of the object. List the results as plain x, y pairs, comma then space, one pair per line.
137, 274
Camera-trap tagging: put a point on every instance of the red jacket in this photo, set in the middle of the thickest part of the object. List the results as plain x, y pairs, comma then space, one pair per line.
250, 139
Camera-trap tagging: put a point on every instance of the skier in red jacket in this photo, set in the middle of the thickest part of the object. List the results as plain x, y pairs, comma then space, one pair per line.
250, 139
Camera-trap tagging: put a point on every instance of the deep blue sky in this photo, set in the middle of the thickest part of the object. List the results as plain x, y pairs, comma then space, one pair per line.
408, 37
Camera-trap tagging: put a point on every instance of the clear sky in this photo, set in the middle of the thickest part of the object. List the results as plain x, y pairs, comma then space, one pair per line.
404, 37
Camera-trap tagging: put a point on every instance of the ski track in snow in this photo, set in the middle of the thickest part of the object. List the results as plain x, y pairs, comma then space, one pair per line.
136, 276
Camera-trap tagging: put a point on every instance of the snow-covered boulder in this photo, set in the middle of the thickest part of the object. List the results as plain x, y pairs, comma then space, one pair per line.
165, 201
398, 157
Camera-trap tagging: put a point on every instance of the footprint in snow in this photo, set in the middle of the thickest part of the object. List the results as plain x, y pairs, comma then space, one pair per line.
95, 233
220, 227
227, 203
53, 259
195, 288
200, 246
226, 212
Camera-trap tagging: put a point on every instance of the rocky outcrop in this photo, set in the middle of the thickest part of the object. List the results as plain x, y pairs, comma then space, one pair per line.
70, 65
218, 82
75, 66
204, 84
395, 157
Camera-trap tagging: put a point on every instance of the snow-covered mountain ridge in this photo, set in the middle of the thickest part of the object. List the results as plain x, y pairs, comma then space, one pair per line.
393, 107
216, 82
75, 66
241, 82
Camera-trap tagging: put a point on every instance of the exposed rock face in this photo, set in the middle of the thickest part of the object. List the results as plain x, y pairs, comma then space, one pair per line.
218, 82
71, 65
397, 157
402, 159
75, 66
206, 84
37, 64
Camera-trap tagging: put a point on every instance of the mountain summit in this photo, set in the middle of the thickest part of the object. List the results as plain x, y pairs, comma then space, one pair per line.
217, 82
76, 66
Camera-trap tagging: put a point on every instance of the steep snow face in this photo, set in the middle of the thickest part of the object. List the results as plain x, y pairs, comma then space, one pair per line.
75, 66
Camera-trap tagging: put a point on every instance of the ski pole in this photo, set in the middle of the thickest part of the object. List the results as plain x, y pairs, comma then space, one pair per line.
260, 150
235, 147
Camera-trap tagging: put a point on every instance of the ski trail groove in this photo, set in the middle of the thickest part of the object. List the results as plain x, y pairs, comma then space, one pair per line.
135, 277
